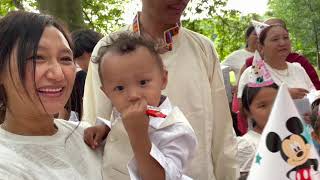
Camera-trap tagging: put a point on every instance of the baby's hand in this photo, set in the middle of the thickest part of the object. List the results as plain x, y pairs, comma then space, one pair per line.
93, 136
135, 119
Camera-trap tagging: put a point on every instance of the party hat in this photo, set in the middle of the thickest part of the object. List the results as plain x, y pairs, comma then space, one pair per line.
285, 150
259, 75
259, 26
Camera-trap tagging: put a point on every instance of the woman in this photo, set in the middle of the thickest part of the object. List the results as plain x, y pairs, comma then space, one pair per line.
292, 57
37, 73
235, 61
275, 47
238, 58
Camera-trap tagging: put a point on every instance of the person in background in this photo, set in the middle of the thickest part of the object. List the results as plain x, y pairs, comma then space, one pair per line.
257, 103
275, 47
235, 61
257, 100
37, 73
84, 41
292, 57
195, 85
238, 58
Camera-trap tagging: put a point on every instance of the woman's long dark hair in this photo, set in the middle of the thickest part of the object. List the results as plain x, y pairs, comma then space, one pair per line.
23, 30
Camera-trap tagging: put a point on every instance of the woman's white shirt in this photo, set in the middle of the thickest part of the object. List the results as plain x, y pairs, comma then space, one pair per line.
236, 60
61, 156
294, 76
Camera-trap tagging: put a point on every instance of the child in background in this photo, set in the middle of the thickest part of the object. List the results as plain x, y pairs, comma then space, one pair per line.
315, 121
257, 101
257, 104
139, 146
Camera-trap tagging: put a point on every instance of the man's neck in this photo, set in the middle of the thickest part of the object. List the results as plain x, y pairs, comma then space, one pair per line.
153, 26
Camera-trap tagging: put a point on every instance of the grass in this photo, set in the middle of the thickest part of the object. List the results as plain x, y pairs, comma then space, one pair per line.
233, 78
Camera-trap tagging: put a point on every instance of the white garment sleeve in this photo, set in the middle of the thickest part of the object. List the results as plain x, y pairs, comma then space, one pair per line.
95, 102
176, 147
307, 80
245, 154
224, 139
229, 61
101, 120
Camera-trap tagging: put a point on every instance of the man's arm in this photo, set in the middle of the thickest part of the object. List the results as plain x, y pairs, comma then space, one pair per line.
224, 139
95, 102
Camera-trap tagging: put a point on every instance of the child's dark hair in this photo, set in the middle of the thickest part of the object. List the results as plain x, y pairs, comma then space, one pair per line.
249, 93
126, 43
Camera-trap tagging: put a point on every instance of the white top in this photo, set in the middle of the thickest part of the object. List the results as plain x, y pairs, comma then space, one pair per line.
247, 146
173, 143
195, 85
236, 60
294, 76
49, 157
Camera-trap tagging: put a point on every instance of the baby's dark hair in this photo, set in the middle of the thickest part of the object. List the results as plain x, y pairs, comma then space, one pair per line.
126, 43
249, 93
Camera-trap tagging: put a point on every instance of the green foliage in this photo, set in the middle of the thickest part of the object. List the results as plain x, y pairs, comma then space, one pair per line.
103, 16
303, 19
225, 27
6, 6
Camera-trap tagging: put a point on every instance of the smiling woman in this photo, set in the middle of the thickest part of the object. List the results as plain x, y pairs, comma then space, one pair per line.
54, 72
36, 78
275, 46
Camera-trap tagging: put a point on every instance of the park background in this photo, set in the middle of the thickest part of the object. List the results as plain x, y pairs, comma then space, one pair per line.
223, 21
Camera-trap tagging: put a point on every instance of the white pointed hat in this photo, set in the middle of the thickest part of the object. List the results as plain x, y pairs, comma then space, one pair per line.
259, 75
285, 150
259, 26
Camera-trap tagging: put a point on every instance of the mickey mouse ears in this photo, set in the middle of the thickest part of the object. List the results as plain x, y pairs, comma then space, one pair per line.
259, 75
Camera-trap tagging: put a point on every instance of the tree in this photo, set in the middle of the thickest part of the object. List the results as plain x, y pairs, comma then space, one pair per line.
225, 27
103, 16
302, 19
70, 11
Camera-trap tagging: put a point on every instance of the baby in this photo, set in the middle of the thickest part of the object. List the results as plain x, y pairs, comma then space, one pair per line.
148, 137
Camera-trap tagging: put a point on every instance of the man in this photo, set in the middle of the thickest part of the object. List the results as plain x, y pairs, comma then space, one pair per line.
84, 41
195, 85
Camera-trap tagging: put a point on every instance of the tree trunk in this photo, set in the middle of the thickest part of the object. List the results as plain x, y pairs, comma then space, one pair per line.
69, 11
